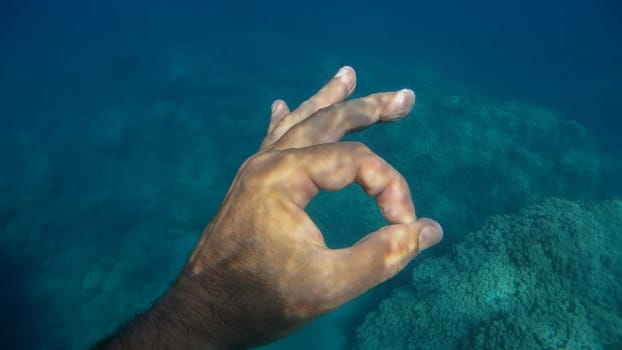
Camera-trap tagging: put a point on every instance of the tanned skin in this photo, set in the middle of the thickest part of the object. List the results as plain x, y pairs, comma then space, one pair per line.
261, 269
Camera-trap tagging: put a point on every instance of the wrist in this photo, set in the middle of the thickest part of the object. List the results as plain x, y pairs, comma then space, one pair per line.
232, 308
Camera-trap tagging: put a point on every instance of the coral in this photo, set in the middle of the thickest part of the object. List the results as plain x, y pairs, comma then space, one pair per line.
547, 277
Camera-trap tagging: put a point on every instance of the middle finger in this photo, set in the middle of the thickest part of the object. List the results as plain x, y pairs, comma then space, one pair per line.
330, 124
335, 91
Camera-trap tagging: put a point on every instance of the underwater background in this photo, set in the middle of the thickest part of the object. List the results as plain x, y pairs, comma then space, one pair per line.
122, 124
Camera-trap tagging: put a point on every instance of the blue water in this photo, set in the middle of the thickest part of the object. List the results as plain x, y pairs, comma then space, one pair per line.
122, 124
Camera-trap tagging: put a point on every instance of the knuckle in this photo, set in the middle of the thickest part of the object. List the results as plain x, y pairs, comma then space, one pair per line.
256, 162
360, 147
373, 102
259, 170
401, 180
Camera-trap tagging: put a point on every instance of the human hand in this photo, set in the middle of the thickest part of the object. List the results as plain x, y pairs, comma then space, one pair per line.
262, 269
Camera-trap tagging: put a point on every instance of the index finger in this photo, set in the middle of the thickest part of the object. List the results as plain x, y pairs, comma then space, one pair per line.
334, 166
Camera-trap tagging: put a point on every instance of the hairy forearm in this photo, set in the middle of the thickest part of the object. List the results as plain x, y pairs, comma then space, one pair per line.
183, 318
226, 300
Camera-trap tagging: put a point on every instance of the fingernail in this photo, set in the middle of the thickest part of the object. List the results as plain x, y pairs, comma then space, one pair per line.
429, 236
342, 71
275, 105
405, 97
402, 104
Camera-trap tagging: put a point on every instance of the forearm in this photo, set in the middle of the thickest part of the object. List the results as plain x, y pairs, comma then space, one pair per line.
181, 319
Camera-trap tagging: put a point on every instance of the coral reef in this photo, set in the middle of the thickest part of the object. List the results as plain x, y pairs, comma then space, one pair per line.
548, 277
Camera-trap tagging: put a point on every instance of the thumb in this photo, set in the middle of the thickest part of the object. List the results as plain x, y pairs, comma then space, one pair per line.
379, 256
